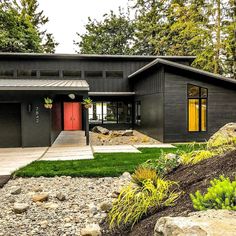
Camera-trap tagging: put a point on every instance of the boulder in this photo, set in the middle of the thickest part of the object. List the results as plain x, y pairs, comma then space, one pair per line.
40, 197
100, 130
19, 208
203, 223
91, 230
125, 176
60, 196
15, 190
128, 133
223, 135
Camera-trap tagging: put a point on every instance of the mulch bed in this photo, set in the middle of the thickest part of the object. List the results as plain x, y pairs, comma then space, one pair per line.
190, 179
4, 179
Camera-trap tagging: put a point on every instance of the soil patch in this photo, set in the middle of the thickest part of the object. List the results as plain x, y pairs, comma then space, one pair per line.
113, 139
190, 179
4, 179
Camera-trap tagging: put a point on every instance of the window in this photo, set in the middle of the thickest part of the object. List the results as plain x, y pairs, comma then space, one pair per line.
26, 73
110, 113
138, 113
49, 73
69, 73
93, 74
124, 112
114, 74
95, 113
197, 108
6, 73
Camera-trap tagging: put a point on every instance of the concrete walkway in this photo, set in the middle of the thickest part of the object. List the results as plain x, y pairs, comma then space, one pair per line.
12, 159
115, 149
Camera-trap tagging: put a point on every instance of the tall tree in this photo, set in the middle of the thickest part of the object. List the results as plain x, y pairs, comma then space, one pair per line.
17, 33
30, 9
21, 26
112, 35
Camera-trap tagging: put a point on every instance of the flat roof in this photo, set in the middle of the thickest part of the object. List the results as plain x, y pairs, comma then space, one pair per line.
88, 56
183, 67
41, 85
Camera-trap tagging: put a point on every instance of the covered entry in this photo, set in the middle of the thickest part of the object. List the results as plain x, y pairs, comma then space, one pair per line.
10, 124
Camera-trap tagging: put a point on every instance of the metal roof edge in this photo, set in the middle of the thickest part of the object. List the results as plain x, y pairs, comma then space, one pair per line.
181, 66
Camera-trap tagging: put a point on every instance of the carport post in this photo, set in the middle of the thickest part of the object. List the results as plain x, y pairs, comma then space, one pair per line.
87, 126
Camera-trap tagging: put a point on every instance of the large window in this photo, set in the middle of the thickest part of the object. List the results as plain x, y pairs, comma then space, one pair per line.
110, 113
197, 108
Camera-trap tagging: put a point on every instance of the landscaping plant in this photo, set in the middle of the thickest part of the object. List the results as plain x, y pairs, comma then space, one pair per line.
141, 174
163, 164
221, 195
135, 201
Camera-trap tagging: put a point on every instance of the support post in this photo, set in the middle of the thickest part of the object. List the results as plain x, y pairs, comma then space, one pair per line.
87, 126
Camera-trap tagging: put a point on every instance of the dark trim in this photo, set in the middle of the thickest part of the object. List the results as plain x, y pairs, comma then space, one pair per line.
199, 98
182, 67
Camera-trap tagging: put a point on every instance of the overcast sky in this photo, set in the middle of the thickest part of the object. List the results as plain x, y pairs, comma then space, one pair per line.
70, 16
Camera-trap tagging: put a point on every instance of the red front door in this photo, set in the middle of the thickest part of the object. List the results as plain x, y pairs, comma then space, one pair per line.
72, 116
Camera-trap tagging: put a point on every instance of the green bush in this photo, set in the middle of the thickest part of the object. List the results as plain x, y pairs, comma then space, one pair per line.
135, 201
163, 164
221, 195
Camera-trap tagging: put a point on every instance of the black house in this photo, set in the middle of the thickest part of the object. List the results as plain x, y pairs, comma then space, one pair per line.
163, 97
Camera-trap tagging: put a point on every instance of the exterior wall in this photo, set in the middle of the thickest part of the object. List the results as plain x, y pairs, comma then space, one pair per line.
149, 91
221, 105
56, 121
35, 125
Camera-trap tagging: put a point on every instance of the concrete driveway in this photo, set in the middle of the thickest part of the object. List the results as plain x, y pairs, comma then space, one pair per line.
12, 159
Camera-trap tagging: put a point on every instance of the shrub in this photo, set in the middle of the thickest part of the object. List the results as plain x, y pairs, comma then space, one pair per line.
196, 156
163, 165
221, 195
135, 201
142, 174
220, 140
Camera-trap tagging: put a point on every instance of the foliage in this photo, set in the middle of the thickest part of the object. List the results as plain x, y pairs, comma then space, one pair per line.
20, 27
162, 165
112, 35
17, 33
48, 100
221, 195
135, 201
141, 174
196, 156
220, 140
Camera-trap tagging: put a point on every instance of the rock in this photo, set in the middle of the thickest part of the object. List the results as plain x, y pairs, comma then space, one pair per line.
223, 135
92, 208
15, 190
40, 197
171, 156
50, 205
210, 222
91, 230
128, 133
105, 206
61, 197
126, 176
100, 130
20, 208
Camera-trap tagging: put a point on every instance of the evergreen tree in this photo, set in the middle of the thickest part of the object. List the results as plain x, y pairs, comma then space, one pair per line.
112, 35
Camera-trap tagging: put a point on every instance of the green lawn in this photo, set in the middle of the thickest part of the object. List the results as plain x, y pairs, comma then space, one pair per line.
104, 164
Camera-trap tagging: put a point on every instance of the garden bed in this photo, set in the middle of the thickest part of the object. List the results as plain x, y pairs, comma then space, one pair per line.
190, 179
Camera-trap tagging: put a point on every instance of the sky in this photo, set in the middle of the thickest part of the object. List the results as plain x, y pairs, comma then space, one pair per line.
70, 16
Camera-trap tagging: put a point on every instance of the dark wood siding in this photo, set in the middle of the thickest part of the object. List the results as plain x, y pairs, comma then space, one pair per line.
100, 84
149, 91
221, 105
10, 124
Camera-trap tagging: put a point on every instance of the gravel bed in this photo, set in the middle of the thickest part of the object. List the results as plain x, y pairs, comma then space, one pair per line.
72, 204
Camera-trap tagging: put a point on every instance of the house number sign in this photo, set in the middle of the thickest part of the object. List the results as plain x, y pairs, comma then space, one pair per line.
37, 115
